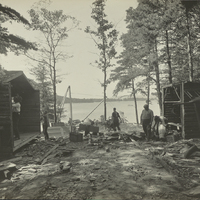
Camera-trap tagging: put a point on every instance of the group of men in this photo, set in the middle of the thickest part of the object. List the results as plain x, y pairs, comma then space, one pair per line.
146, 120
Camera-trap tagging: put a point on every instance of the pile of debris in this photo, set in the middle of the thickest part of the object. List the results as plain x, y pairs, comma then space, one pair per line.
36, 159
180, 158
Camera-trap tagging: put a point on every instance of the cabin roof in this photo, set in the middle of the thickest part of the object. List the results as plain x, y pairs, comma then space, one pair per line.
189, 83
18, 80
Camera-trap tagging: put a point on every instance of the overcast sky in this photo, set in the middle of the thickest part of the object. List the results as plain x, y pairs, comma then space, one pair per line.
83, 78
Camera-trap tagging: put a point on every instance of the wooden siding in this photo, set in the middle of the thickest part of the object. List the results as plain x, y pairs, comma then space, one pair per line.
191, 114
30, 112
6, 129
171, 110
191, 90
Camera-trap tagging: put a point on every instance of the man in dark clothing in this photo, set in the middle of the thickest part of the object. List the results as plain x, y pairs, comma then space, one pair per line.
16, 108
146, 120
115, 120
45, 125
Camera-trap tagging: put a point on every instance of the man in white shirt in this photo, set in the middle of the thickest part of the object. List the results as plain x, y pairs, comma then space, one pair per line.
146, 120
16, 108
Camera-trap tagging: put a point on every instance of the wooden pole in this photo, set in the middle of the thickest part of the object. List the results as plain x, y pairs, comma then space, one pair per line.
93, 110
163, 102
70, 97
197, 114
182, 109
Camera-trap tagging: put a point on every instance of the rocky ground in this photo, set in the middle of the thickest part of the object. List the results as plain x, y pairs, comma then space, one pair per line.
109, 166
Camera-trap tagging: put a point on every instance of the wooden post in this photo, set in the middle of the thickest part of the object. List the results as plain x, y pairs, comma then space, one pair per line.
163, 102
182, 109
70, 97
197, 114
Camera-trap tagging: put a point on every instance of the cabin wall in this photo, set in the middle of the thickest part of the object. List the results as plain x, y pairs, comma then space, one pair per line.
172, 103
30, 112
192, 110
6, 126
171, 111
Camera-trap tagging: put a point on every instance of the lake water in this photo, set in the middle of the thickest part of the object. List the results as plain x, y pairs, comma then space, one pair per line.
82, 110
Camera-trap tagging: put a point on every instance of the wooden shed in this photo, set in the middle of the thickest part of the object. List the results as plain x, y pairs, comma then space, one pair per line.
15, 82
181, 105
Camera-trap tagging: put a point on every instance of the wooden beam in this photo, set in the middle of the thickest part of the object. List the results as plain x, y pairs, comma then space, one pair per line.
11, 160
49, 152
25, 142
182, 110
163, 96
174, 102
197, 115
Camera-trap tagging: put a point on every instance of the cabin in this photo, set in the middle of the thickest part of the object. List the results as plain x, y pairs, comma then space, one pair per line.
13, 83
181, 105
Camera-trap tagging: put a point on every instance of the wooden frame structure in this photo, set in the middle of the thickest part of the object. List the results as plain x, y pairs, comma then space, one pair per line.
181, 105
15, 82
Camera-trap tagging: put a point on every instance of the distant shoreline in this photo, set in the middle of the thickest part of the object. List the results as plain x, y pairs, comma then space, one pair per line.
74, 100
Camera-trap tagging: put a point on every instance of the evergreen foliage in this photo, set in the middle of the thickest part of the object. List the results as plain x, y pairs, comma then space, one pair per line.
161, 44
10, 42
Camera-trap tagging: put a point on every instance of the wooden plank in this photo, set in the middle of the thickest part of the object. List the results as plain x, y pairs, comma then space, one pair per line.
11, 160
182, 110
173, 102
29, 129
42, 160
7, 166
25, 142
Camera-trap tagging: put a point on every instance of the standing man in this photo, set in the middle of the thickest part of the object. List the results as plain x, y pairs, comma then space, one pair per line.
16, 108
146, 120
115, 119
45, 125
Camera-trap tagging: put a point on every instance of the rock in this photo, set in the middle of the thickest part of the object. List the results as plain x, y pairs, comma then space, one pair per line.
115, 134
195, 154
76, 179
29, 154
94, 187
7, 174
190, 151
92, 179
53, 186
32, 170
195, 192
111, 187
8, 166
37, 160
66, 153
107, 149
65, 166
96, 168
112, 138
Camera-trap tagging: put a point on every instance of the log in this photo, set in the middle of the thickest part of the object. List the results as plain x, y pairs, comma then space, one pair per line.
190, 151
7, 166
49, 152
10, 160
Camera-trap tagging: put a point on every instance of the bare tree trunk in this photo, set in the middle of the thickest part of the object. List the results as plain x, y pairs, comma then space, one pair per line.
54, 94
104, 94
135, 101
189, 48
148, 90
168, 58
158, 79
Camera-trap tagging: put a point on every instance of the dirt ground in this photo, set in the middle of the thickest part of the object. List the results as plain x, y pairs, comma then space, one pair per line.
102, 169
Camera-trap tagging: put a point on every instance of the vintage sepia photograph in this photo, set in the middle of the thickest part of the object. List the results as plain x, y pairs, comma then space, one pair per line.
100, 99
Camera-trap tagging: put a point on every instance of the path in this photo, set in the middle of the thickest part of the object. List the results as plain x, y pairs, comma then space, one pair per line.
116, 171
